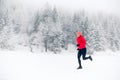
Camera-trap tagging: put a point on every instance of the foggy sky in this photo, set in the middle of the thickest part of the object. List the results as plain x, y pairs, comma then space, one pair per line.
107, 6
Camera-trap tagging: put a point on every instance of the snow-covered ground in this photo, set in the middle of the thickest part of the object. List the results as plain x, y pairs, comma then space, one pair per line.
47, 66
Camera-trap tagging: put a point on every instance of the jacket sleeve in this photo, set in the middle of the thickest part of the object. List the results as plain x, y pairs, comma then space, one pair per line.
78, 40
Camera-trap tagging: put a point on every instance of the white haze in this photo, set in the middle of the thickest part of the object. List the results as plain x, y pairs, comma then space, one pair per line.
106, 6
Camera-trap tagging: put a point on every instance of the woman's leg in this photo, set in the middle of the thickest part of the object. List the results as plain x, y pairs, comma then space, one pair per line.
79, 61
84, 54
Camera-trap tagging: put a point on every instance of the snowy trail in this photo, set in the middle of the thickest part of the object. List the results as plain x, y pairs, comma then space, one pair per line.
16, 66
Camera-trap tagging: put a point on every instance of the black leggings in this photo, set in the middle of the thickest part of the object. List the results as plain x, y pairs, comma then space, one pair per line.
82, 52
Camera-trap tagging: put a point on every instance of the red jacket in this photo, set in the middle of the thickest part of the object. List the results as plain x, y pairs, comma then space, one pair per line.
81, 41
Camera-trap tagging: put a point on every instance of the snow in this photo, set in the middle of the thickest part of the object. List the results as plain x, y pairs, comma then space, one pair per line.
46, 66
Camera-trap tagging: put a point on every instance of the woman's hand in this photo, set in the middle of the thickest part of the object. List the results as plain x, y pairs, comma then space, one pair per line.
78, 45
